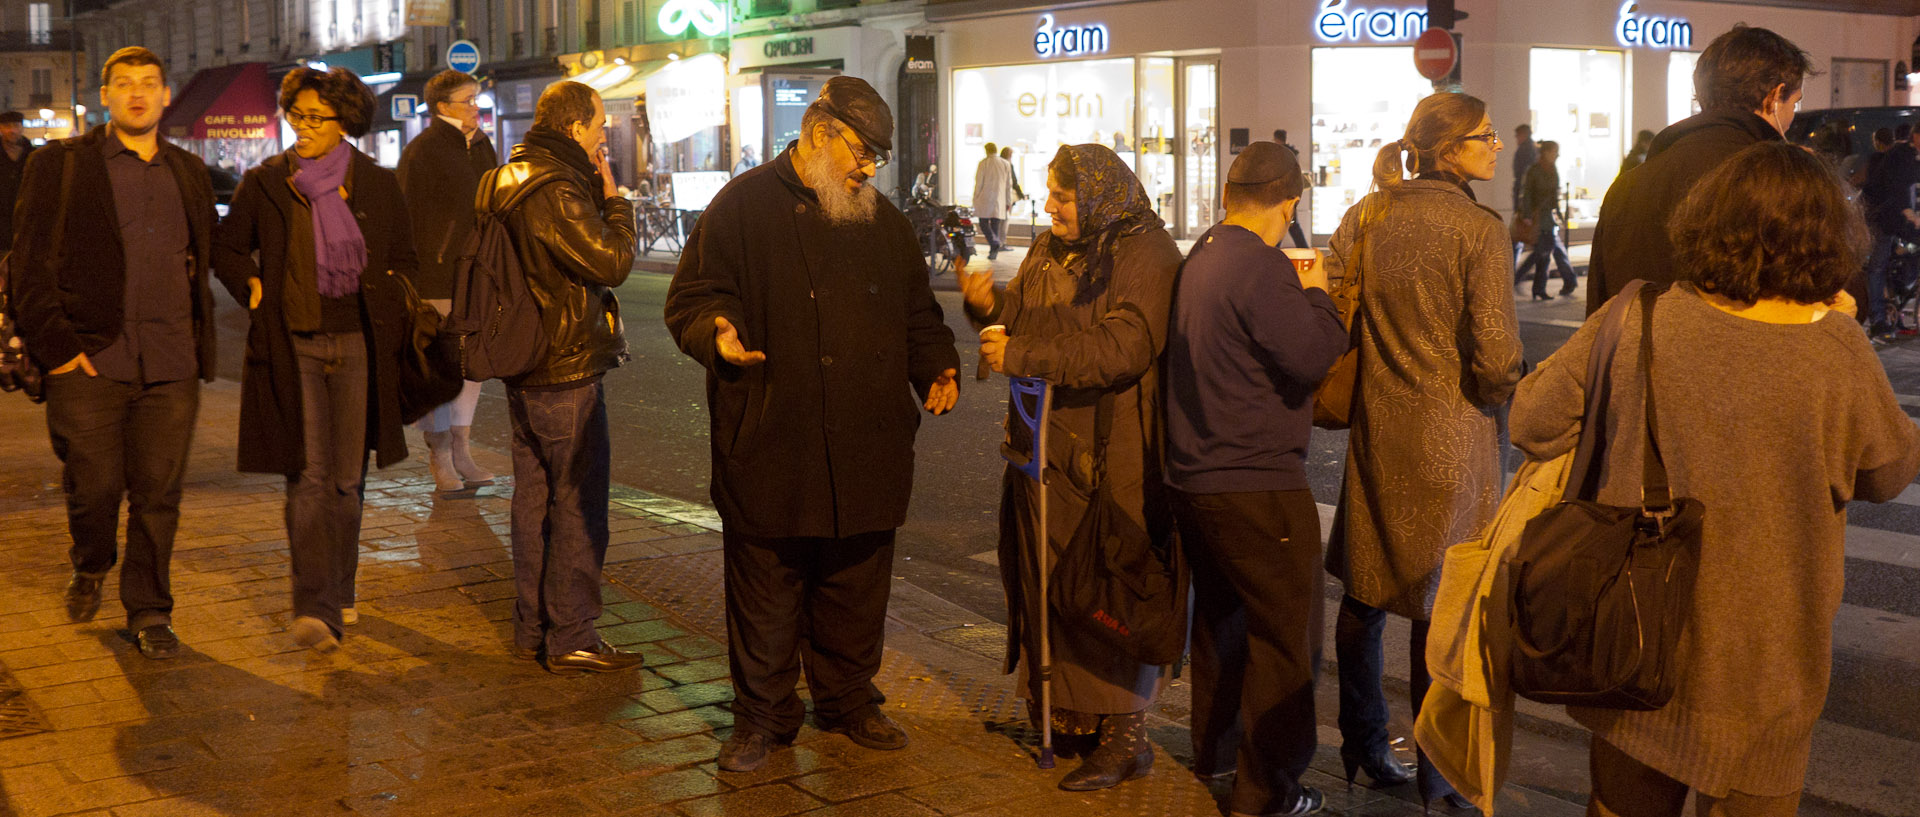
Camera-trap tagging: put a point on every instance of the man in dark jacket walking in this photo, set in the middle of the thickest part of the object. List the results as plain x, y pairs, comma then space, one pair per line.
439, 172
113, 300
1889, 195
803, 293
14, 148
1748, 82
1540, 198
573, 233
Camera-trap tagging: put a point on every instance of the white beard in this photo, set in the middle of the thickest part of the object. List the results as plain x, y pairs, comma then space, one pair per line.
840, 206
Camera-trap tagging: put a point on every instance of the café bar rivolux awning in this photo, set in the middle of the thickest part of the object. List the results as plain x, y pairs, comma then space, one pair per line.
236, 101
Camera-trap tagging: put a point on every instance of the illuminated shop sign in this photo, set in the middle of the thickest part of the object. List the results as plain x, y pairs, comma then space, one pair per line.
1069, 41
1339, 23
677, 15
1644, 31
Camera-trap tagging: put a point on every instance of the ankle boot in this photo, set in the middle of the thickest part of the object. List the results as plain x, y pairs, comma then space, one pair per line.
470, 472
1123, 754
440, 461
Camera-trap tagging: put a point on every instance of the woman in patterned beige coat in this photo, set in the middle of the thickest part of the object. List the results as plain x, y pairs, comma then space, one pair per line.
1439, 354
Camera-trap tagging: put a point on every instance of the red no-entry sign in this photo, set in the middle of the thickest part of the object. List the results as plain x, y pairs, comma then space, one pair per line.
1434, 53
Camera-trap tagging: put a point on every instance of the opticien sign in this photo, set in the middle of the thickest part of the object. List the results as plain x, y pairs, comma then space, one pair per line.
702, 15
1338, 23
1635, 30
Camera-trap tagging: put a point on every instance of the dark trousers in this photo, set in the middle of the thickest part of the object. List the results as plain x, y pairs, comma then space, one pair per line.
1363, 706
324, 499
1879, 265
561, 467
1625, 787
1256, 638
1547, 247
995, 231
119, 440
821, 600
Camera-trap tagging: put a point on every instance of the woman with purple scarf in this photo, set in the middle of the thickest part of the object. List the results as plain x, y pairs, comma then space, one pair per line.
316, 246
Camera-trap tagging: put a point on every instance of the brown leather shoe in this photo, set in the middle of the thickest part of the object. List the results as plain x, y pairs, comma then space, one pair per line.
1106, 768
872, 729
83, 597
745, 751
601, 657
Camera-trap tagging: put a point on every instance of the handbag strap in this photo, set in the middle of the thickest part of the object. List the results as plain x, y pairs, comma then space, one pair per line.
1656, 496
1584, 479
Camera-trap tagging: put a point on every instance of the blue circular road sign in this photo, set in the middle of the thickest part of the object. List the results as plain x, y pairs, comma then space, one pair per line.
463, 55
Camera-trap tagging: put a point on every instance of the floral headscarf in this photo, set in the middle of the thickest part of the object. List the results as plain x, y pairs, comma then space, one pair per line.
1110, 203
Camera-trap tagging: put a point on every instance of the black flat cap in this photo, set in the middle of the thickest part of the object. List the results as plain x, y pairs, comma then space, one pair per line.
1263, 162
853, 101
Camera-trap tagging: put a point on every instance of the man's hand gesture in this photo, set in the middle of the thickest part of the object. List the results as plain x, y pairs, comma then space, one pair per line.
944, 393
727, 340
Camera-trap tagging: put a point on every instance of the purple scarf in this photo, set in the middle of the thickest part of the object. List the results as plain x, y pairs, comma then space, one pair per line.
339, 249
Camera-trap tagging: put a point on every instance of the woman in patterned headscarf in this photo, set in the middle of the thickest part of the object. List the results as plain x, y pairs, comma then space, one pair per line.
1087, 313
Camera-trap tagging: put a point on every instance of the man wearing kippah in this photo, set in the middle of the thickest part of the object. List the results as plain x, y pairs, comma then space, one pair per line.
804, 294
1252, 335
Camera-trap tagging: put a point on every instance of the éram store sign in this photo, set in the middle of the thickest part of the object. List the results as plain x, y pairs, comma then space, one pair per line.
1339, 22
1050, 40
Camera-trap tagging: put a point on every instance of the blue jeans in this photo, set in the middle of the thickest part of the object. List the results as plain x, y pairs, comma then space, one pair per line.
561, 465
1546, 246
1363, 706
324, 498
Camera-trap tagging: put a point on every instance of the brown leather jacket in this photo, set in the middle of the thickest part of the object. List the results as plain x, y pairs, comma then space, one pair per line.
574, 248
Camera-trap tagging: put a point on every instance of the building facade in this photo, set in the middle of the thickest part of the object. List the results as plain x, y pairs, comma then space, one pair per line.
37, 64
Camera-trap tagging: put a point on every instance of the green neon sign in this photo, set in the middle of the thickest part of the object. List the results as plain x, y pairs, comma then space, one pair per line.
704, 16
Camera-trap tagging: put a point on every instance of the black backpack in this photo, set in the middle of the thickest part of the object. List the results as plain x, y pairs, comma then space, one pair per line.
494, 330
1600, 594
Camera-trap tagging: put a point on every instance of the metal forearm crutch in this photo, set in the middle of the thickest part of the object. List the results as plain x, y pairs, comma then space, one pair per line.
1031, 397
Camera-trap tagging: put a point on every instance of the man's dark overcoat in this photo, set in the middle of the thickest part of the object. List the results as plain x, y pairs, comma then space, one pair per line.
818, 440
439, 172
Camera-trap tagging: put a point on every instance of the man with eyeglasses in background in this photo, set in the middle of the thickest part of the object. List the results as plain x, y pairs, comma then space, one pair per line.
110, 283
804, 294
439, 172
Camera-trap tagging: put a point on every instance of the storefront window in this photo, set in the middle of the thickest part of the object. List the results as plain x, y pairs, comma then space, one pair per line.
1156, 144
1577, 101
1035, 109
1363, 97
1203, 146
1680, 101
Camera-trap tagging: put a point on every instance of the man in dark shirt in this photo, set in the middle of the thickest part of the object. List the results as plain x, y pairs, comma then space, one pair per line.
127, 221
14, 148
1748, 82
1250, 339
1889, 197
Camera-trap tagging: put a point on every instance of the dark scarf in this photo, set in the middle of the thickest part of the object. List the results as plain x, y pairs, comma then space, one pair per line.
1110, 204
569, 152
1451, 177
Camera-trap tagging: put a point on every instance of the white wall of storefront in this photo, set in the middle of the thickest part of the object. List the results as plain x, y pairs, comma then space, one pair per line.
1266, 54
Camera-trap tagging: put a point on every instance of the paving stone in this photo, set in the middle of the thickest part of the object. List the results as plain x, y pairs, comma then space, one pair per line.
841, 785
762, 801
885, 805
693, 672
676, 724
640, 791
686, 696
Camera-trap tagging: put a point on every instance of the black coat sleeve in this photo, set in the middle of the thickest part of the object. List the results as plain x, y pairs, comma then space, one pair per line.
707, 285
930, 350
33, 289
236, 238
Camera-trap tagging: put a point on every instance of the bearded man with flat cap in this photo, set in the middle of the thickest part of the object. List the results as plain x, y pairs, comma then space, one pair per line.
1252, 334
804, 294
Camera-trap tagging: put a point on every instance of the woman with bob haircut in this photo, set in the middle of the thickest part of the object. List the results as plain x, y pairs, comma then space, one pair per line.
1774, 413
1439, 354
329, 322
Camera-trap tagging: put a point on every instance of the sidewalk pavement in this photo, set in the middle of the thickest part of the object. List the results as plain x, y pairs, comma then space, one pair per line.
423, 712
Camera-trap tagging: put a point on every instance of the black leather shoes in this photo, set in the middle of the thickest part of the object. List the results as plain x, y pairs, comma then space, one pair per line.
83, 597
1383, 769
745, 751
1105, 769
157, 642
601, 657
872, 729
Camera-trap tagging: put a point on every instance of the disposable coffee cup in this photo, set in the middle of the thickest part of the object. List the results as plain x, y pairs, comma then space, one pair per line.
1301, 257
998, 327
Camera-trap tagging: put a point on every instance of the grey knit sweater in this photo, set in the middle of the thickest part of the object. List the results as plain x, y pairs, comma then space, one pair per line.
1774, 428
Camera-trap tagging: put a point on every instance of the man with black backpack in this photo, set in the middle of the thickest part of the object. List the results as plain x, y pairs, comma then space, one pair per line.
572, 235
